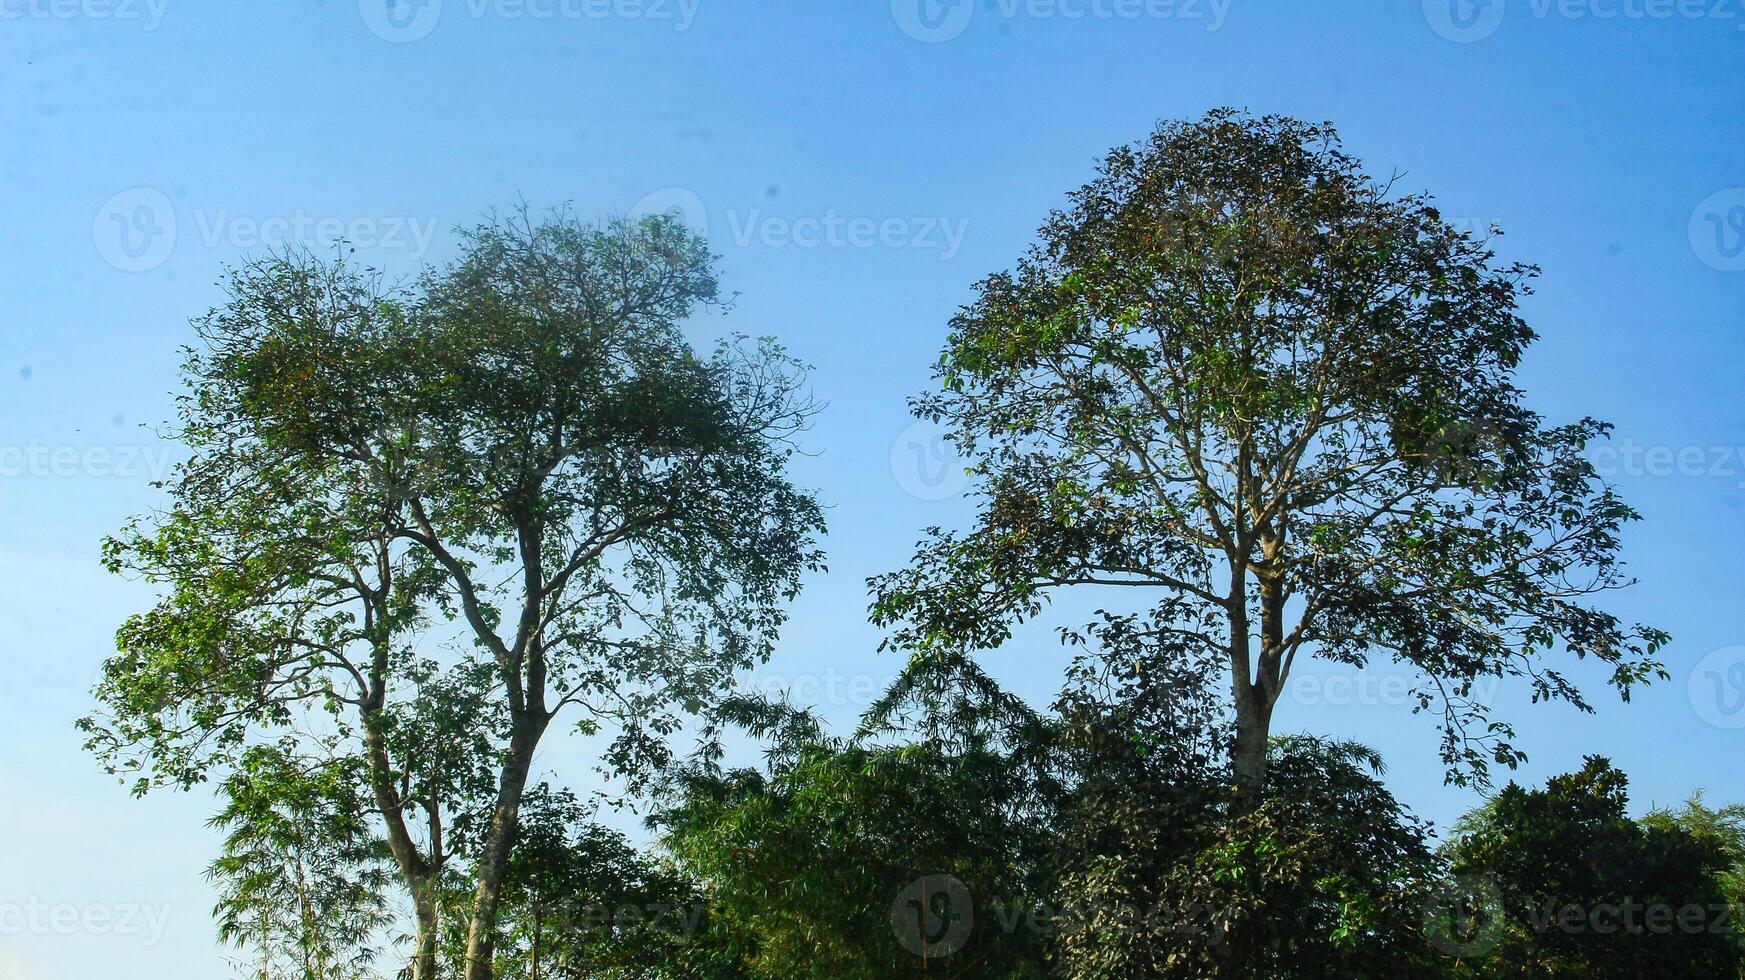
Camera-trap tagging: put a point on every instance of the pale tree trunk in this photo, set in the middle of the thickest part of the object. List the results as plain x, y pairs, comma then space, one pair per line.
499, 843
424, 908
417, 873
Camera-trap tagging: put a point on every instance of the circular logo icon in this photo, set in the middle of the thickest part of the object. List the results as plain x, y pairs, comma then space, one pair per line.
932, 21
400, 21
1464, 21
1462, 454
933, 917
1464, 916
679, 201
1717, 688
1717, 230
926, 463
135, 230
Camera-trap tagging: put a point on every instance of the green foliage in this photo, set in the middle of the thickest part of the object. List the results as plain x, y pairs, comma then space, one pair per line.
520, 459
1325, 879
1236, 377
1243, 379
1586, 891
1720, 831
581, 901
302, 881
812, 871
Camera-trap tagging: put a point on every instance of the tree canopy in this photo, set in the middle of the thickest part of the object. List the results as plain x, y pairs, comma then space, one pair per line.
520, 461
1245, 378
1258, 400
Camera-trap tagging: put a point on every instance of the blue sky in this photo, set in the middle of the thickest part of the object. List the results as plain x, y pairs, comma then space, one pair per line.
858, 165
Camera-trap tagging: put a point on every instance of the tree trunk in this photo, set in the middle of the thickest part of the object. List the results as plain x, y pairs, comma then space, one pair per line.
499, 843
1257, 693
1248, 750
418, 874
424, 907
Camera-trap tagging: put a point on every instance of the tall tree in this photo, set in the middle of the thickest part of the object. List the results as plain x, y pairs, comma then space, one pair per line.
1242, 375
522, 454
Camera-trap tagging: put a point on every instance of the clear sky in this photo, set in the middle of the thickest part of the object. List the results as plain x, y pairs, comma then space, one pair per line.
858, 164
